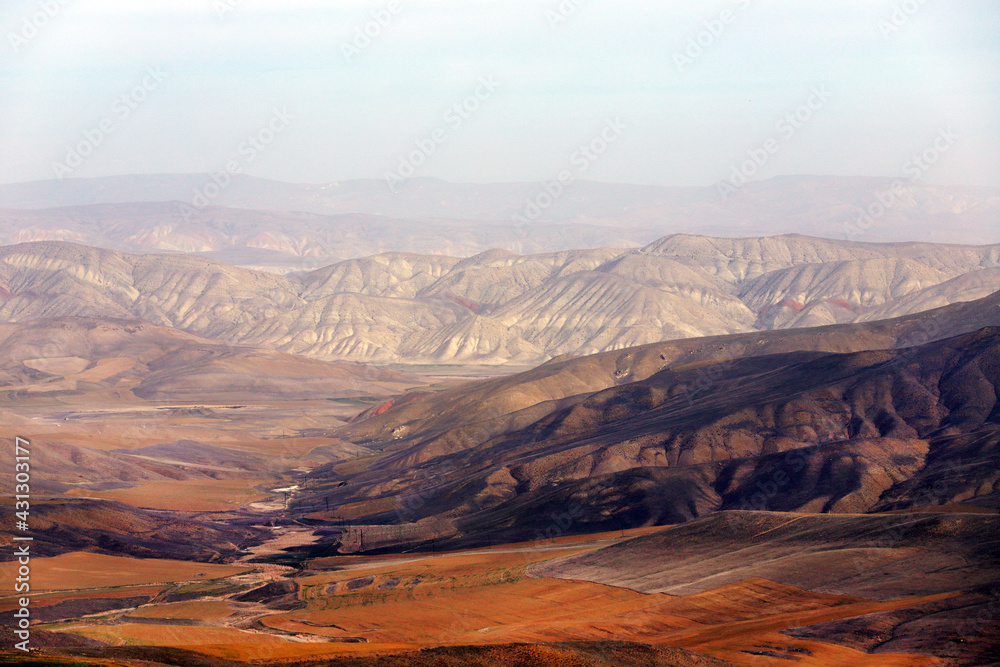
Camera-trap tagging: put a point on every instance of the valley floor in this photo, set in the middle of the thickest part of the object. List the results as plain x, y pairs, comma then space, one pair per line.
353, 606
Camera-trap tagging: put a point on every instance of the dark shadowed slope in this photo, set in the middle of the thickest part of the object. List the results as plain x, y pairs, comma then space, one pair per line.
473, 413
800, 431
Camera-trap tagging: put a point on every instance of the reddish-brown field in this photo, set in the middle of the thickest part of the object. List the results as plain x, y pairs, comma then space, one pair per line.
46, 600
148, 634
484, 597
80, 570
194, 495
398, 603
196, 610
289, 650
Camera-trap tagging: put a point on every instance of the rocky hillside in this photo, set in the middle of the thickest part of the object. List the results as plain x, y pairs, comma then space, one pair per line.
911, 424
498, 307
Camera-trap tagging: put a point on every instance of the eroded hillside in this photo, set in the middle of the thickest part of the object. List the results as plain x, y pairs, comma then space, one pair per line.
498, 307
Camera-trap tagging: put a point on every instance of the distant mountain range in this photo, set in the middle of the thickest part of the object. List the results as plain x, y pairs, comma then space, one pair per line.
498, 307
284, 227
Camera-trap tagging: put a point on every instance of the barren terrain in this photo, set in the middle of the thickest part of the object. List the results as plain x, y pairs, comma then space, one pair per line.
500, 599
826, 495
493, 308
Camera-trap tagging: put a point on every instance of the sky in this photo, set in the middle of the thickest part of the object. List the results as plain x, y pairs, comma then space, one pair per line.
635, 91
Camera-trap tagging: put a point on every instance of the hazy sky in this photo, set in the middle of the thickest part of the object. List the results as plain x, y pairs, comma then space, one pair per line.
692, 89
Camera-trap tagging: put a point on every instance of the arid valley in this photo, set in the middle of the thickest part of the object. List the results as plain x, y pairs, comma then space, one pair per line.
465, 333
545, 473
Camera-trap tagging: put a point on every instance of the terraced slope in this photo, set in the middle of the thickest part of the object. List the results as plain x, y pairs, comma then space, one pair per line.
883, 557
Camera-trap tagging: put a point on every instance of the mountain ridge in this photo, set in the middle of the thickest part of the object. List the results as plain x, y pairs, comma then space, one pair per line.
284, 226
498, 307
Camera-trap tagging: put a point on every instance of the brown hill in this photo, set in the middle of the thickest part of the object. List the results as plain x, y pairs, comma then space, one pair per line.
471, 414
86, 354
795, 431
63, 525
